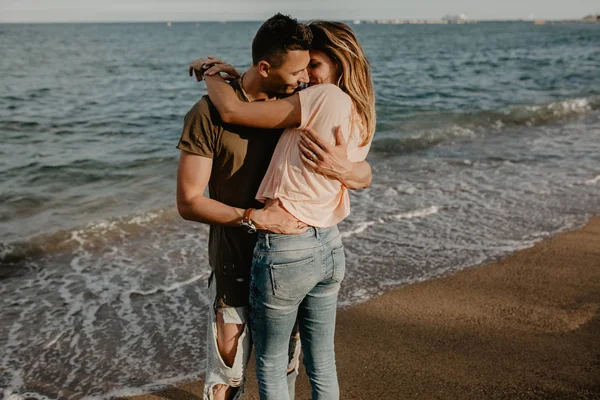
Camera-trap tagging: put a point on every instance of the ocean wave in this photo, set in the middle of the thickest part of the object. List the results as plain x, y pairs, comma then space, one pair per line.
541, 114
421, 140
16, 254
422, 131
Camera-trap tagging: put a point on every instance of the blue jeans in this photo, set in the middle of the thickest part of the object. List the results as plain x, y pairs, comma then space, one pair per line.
296, 277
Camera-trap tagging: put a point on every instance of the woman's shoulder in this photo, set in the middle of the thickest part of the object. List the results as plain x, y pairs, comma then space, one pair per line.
324, 88
325, 91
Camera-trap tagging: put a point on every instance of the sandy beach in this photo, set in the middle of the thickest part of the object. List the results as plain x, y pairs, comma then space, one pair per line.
526, 327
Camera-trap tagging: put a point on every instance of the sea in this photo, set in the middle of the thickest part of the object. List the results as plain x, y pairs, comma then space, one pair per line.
488, 141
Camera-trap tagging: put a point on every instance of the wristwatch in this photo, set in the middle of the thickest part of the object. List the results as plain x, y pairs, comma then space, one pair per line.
247, 222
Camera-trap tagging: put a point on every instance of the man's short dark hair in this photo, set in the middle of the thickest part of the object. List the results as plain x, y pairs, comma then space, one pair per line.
278, 35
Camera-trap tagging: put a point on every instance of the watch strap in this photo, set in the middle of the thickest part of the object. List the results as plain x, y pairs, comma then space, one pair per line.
247, 214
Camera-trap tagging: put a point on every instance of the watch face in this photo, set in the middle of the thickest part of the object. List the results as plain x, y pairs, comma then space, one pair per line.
249, 226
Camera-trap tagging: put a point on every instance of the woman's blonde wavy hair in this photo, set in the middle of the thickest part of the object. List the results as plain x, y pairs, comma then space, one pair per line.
339, 42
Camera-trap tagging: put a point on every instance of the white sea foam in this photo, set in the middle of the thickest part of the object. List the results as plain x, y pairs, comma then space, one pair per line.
361, 227
34, 395
102, 227
406, 189
151, 387
569, 106
558, 109
145, 218
14, 396
565, 106
460, 131
590, 182
53, 341
170, 288
6, 249
416, 213
9, 395
358, 296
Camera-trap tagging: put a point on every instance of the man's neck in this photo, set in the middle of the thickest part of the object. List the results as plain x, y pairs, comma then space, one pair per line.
252, 85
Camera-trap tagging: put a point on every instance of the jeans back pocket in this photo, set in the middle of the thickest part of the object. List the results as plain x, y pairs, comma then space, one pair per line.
293, 280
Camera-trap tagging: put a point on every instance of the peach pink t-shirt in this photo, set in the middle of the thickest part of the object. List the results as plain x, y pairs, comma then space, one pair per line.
311, 197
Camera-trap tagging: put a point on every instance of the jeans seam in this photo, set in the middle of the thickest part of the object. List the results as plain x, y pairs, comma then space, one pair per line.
335, 266
269, 251
323, 263
325, 244
286, 251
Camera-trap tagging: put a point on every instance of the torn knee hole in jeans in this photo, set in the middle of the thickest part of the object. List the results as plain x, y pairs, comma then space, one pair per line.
231, 372
220, 388
230, 330
294, 368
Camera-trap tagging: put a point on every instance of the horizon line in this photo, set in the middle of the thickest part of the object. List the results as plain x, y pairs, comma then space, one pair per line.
299, 19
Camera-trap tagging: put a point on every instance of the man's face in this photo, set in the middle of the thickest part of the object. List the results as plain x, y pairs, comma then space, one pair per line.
286, 78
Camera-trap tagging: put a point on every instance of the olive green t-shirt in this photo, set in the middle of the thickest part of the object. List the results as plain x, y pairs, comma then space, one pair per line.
240, 157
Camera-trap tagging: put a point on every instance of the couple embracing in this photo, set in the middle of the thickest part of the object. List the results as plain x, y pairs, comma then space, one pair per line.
278, 163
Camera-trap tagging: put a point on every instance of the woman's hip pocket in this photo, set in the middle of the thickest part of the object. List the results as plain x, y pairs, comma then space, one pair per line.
288, 275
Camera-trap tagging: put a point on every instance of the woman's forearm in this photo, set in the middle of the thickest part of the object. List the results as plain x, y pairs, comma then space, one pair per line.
283, 113
223, 97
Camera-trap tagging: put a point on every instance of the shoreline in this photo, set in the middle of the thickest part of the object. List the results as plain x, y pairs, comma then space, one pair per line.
524, 327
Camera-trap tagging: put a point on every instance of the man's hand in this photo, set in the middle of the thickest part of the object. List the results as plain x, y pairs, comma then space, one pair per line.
273, 218
214, 65
331, 161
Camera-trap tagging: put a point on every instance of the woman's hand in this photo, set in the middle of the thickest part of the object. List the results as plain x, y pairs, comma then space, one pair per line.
331, 161
210, 66
230, 72
197, 67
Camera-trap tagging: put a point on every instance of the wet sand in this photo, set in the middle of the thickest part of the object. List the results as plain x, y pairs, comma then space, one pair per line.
526, 327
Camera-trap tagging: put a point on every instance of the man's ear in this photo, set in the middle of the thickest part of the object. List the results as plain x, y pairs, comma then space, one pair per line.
264, 68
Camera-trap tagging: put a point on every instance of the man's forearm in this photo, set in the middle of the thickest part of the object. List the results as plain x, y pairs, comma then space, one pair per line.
212, 212
206, 210
357, 177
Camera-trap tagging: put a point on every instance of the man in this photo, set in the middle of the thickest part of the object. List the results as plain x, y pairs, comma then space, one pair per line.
231, 160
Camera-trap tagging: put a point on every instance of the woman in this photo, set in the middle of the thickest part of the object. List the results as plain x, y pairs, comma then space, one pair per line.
297, 277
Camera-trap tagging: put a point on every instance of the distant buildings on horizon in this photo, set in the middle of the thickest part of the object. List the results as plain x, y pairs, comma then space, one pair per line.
592, 18
463, 19
448, 19
455, 19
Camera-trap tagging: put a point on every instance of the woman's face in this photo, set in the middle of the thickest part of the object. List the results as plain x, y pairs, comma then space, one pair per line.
321, 69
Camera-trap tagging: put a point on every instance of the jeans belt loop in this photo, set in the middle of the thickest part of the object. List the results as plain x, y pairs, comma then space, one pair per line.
267, 242
316, 232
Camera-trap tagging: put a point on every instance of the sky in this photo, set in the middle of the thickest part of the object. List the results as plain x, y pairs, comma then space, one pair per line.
219, 10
